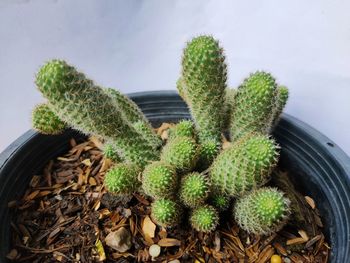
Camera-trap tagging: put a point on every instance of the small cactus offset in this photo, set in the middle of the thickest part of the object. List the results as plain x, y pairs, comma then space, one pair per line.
204, 76
220, 201
45, 121
181, 152
86, 107
166, 212
159, 180
122, 179
263, 211
244, 166
194, 189
184, 128
253, 105
209, 149
204, 219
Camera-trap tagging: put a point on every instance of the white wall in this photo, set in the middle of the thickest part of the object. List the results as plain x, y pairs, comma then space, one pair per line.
136, 45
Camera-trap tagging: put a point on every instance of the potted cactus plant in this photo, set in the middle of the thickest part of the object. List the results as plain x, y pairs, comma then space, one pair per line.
209, 174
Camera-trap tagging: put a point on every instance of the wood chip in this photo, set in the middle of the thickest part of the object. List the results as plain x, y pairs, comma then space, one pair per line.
310, 201
295, 241
169, 242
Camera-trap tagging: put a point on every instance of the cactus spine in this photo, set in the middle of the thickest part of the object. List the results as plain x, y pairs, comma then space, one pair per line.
165, 212
204, 219
159, 180
263, 211
122, 179
244, 166
85, 106
280, 103
45, 121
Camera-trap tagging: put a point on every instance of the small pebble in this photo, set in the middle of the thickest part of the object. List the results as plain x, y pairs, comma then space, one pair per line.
154, 251
276, 259
119, 240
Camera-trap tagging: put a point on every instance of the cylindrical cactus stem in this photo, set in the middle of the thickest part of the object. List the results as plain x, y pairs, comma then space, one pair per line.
229, 105
166, 212
45, 121
184, 128
148, 134
204, 219
86, 107
253, 106
204, 76
181, 88
159, 180
280, 102
122, 179
181, 152
194, 189
209, 149
244, 166
110, 152
263, 211
134, 115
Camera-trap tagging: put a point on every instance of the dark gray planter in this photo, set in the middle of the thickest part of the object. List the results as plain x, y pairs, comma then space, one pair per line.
323, 169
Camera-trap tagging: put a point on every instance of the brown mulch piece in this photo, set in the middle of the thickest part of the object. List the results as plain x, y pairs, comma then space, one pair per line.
66, 213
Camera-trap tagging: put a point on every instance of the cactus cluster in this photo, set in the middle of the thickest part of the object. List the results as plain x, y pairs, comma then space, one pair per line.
192, 170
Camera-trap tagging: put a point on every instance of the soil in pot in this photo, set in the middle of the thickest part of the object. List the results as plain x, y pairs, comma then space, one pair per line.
66, 215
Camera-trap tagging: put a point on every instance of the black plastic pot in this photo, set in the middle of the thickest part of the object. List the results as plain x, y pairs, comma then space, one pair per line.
323, 169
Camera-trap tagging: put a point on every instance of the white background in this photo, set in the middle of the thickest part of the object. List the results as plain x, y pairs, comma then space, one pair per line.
137, 46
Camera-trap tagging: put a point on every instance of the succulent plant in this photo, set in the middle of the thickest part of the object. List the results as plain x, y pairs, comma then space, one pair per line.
244, 166
184, 128
159, 180
263, 211
148, 134
204, 218
280, 103
181, 152
220, 201
209, 149
229, 105
111, 153
181, 88
253, 106
86, 107
45, 121
204, 78
194, 189
122, 179
166, 212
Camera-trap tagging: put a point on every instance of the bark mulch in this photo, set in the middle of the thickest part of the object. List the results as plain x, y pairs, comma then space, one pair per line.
66, 214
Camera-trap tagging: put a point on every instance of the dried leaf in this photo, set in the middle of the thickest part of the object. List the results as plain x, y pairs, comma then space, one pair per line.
148, 229
169, 242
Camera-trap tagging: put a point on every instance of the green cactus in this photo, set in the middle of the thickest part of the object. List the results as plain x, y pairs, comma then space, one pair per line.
184, 128
166, 212
45, 121
244, 166
86, 107
122, 179
280, 103
204, 219
253, 106
220, 201
148, 134
209, 149
229, 105
181, 152
263, 211
181, 87
110, 152
159, 180
204, 76
134, 115
194, 189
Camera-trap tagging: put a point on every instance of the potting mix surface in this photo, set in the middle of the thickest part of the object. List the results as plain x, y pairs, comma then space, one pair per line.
66, 215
